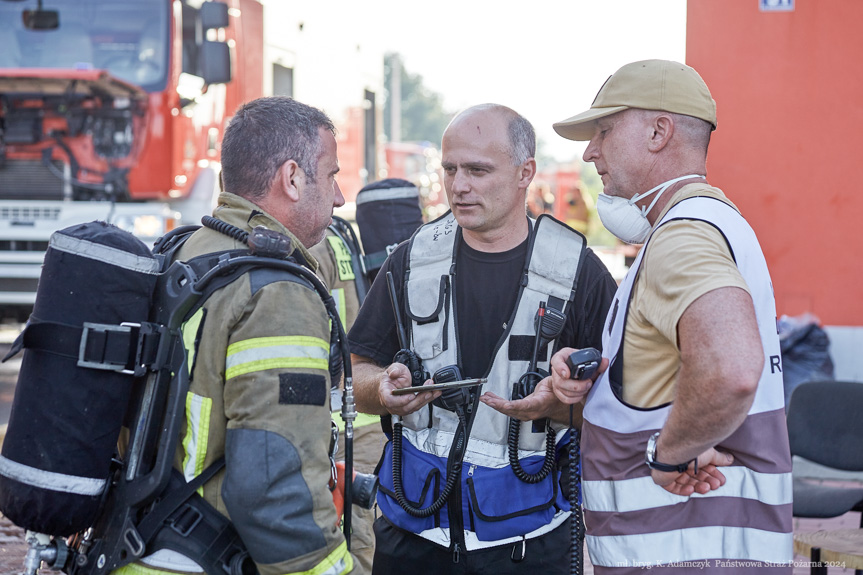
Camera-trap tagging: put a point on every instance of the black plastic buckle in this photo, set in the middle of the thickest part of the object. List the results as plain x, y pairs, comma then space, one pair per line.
186, 520
103, 363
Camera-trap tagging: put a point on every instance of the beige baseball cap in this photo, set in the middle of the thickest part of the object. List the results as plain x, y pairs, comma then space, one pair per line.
650, 85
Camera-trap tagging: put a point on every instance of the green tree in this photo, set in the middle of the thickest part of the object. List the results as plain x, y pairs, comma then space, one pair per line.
423, 117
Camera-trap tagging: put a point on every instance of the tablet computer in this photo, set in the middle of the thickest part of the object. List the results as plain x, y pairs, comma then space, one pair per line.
440, 386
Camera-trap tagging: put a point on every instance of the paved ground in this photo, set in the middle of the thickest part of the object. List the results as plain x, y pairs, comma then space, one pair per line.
13, 548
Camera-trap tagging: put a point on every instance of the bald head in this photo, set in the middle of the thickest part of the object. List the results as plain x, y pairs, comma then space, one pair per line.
521, 135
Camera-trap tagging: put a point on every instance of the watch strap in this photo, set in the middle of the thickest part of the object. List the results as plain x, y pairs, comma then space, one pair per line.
659, 466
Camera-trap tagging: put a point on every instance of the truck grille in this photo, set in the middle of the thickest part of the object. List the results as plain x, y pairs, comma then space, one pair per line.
30, 180
19, 285
23, 246
24, 214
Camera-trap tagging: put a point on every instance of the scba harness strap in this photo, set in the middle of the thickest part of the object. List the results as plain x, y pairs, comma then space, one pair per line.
184, 522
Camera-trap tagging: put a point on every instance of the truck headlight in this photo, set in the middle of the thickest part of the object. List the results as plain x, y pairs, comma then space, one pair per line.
146, 226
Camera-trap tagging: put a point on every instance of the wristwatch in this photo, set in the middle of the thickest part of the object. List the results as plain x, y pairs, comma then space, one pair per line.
650, 458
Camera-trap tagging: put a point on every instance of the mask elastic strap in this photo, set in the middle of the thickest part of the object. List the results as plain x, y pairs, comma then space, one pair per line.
661, 187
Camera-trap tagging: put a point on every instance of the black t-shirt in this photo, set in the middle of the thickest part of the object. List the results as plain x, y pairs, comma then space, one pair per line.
486, 291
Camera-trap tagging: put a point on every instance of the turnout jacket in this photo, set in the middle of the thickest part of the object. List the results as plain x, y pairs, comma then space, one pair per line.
633, 523
495, 506
259, 396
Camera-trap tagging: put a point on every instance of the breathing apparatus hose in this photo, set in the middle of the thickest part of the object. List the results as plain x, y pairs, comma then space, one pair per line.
337, 336
456, 455
226, 229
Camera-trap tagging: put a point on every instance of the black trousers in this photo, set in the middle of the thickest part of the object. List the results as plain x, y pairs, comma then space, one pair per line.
401, 552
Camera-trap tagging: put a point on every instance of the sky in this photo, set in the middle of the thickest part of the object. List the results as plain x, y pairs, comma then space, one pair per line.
546, 59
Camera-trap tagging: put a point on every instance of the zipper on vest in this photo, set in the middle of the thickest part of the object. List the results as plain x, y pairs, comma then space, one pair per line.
456, 522
456, 519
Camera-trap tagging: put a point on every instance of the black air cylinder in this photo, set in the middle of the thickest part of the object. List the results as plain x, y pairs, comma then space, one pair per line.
66, 419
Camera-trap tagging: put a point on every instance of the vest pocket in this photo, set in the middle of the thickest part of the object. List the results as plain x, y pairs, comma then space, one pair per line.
504, 506
422, 481
427, 303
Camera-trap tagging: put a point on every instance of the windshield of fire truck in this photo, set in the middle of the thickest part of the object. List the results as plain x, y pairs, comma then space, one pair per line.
129, 38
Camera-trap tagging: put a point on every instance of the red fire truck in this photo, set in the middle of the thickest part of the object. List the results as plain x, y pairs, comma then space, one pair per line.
113, 110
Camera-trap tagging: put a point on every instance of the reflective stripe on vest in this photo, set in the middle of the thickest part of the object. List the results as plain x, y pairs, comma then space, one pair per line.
634, 521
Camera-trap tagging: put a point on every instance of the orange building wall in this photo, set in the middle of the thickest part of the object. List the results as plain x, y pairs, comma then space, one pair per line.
789, 143
349, 137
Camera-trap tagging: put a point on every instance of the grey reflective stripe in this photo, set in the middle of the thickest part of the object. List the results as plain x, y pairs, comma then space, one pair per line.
386, 194
94, 251
49, 479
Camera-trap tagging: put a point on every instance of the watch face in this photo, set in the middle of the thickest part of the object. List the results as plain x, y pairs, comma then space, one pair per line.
651, 449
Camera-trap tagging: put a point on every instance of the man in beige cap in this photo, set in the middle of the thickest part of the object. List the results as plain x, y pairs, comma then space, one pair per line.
685, 449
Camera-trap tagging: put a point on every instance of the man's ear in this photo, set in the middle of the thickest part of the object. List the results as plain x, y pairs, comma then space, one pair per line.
662, 130
291, 179
526, 173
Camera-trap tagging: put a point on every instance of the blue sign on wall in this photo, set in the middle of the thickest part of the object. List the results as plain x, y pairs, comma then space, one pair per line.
776, 5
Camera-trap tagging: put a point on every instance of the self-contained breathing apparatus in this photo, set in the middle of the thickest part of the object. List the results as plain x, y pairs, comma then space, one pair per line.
108, 317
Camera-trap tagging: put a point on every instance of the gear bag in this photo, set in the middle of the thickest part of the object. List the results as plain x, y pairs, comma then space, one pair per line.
103, 351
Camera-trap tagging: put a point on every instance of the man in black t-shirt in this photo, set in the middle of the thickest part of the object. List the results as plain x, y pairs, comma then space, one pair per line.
467, 286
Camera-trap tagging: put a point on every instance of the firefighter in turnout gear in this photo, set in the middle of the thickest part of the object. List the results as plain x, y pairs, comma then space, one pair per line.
259, 352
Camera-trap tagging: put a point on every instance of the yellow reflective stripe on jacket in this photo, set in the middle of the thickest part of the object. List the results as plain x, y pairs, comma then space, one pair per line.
190, 332
139, 569
198, 410
262, 353
342, 306
336, 563
344, 263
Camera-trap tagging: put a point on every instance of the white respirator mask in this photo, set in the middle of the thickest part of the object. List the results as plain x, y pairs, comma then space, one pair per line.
627, 221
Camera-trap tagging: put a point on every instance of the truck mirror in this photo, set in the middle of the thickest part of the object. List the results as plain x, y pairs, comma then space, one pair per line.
40, 19
214, 15
215, 62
